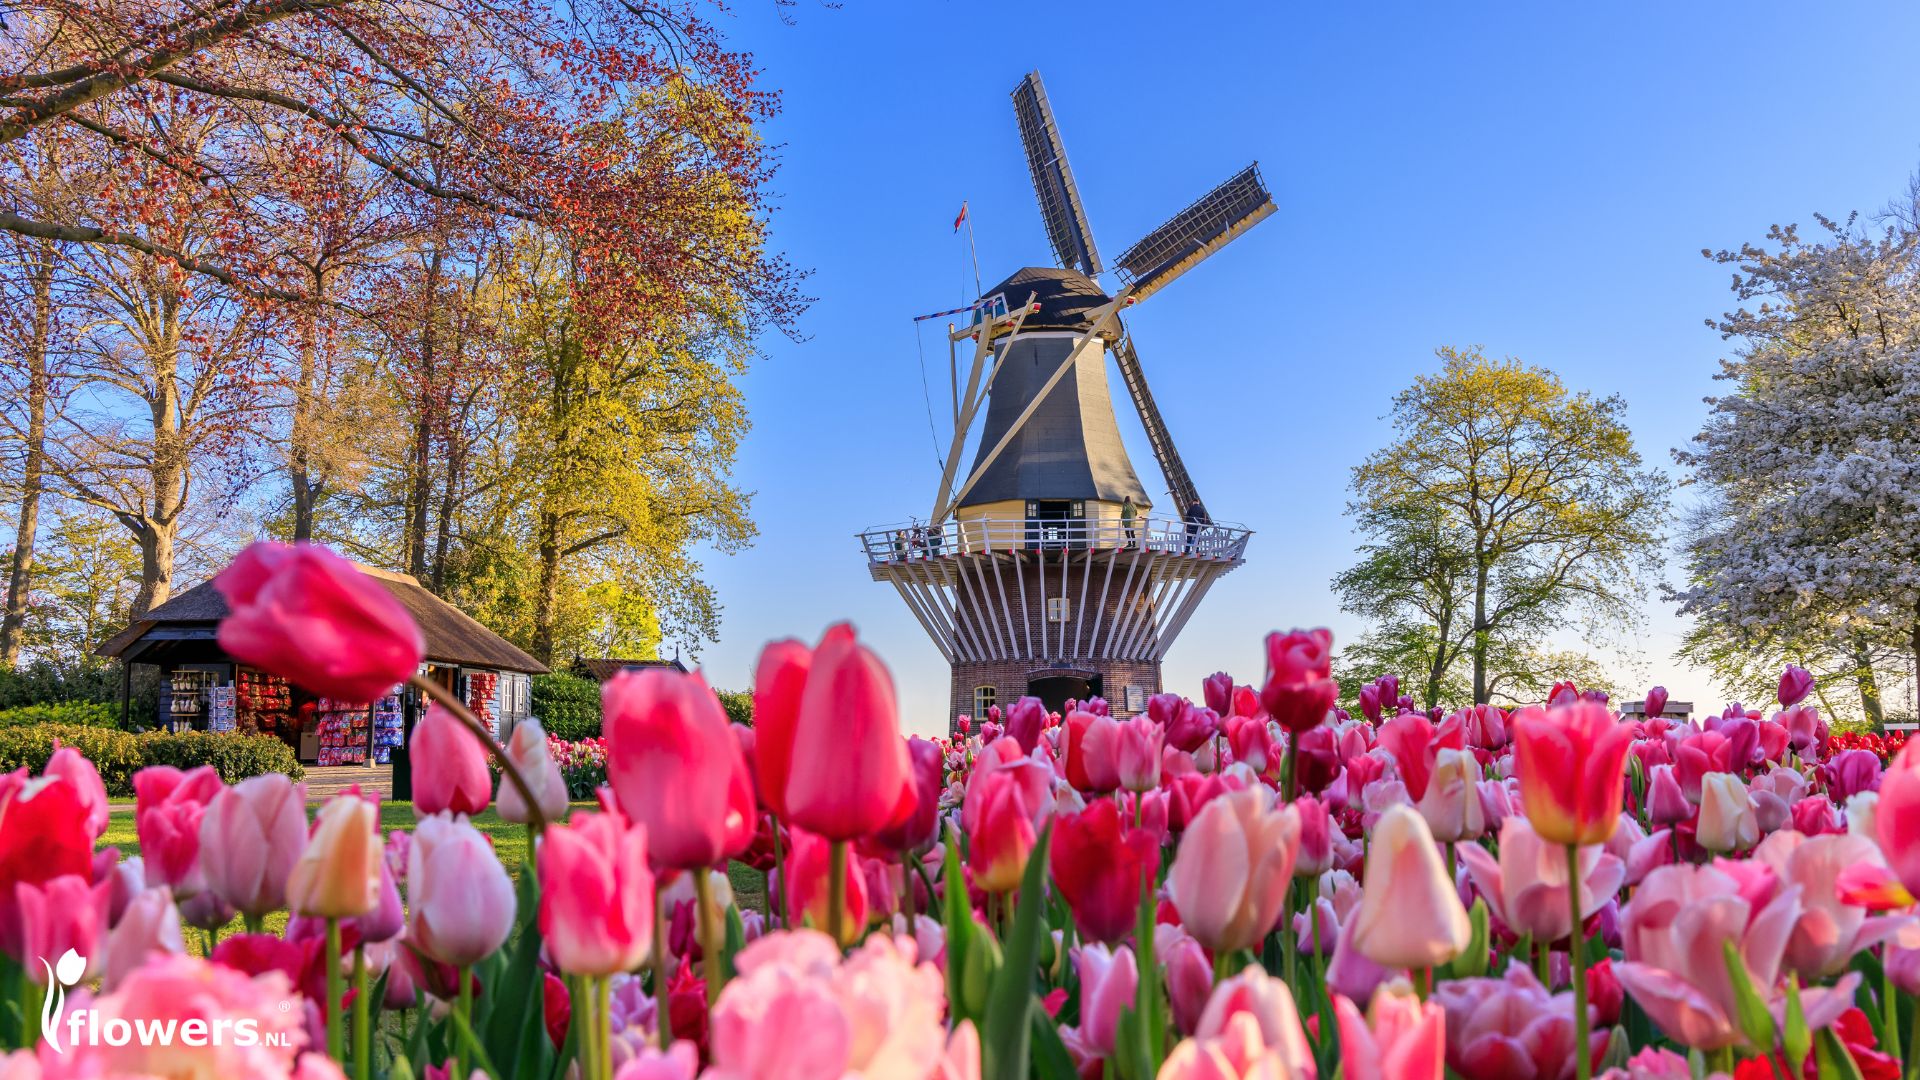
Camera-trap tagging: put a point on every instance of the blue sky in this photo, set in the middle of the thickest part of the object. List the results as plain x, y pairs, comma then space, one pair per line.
1538, 180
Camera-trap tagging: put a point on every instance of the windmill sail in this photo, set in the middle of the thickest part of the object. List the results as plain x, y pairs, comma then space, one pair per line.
1179, 483
1052, 178
1195, 233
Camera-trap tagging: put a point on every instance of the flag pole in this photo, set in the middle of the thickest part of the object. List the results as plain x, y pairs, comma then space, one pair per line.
971, 250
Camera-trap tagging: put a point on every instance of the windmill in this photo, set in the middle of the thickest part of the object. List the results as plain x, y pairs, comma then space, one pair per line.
1041, 569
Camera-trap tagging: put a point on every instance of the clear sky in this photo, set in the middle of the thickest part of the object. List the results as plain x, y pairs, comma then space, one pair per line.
1536, 179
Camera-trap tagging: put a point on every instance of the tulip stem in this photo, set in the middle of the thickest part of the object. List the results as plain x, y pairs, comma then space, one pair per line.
362, 1031
662, 1015
1286, 768
603, 1023
1889, 1006
906, 894
336, 1043
837, 891
1576, 946
255, 923
1289, 950
709, 934
536, 820
463, 1008
779, 876
1913, 1041
1543, 960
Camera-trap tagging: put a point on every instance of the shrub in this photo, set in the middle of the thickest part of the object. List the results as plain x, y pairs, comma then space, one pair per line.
118, 754
69, 713
115, 753
567, 706
235, 756
739, 705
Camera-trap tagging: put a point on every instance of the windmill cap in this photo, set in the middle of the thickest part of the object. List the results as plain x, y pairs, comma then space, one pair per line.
1067, 298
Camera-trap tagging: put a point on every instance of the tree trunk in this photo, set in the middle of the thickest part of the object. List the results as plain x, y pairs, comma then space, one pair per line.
543, 612
300, 437
1869, 683
420, 482
20, 575
167, 472
1440, 663
1480, 632
449, 502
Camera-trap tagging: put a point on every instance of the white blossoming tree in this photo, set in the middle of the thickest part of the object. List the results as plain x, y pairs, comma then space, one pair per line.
1808, 539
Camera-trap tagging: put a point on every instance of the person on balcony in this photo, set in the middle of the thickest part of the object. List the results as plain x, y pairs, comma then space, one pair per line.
1128, 512
1196, 517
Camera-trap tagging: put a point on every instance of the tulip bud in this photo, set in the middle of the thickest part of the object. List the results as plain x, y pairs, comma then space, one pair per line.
338, 873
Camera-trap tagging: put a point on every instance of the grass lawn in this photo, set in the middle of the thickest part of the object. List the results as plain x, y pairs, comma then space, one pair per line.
509, 840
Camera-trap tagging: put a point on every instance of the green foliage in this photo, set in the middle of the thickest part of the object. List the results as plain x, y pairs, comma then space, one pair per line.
43, 681
567, 706
233, 755
119, 754
739, 705
72, 713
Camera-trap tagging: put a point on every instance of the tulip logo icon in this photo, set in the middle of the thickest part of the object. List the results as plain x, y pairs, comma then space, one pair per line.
53, 1010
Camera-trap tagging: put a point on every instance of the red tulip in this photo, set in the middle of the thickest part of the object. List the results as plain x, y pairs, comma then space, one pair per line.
1099, 868
847, 776
596, 895
1570, 762
168, 806
675, 767
449, 766
1009, 799
1795, 684
807, 884
1299, 690
304, 613
1410, 738
43, 835
1091, 766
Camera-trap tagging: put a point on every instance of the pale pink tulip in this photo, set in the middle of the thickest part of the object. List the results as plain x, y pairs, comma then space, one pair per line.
1231, 872
1727, 821
1401, 1038
250, 837
1527, 887
150, 927
1410, 914
1109, 980
528, 750
1451, 804
460, 900
1254, 993
1830, 931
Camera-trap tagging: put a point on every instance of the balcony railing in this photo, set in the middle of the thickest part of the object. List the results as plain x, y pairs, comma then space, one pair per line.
1167, 536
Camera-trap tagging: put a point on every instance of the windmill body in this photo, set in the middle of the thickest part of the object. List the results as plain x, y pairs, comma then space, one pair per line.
1045, 567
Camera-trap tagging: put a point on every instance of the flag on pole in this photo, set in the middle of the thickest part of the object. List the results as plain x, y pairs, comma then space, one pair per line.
958, 221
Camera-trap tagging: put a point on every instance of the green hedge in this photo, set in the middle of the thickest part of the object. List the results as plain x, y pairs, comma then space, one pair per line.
567, 706
73, 713
118, 754
739, 705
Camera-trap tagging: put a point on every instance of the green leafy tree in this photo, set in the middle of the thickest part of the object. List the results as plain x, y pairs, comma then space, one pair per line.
1506, 508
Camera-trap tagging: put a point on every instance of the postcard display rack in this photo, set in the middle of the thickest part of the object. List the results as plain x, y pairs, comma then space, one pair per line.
262, 702
389, 728
345, 731
481, 686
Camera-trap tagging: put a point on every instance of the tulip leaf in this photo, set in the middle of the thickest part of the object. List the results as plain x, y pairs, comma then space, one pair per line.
1004, 1040
958, 916
1795, 1038
1750, 1008
514, 1023
1472, 963
464, 1034
400, 1068
1149, 1000
736, 939
1050, 1058
982, 963
1832, 1058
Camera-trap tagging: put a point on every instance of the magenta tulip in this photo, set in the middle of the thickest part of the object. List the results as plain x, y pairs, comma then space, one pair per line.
449, 766
675, 767
168, 806
1299, 691
848, 774
596, 895
1795, 684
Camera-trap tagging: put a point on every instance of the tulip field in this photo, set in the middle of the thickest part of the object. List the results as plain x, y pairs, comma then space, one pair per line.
1253, 884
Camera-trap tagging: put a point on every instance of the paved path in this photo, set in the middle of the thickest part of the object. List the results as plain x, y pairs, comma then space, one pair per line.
326, 781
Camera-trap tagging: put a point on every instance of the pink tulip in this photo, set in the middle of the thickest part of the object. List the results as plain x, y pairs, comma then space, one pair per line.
1315, 856
1831, 929
1009, 799
1233, 867
1850, 772
1795, 684
1026, 719
676, 768
1677, 924
1251, 743
43, 835
1485, 726
1813, 816
1401, 1038
1108, 983
1187, 727
528, 749
1774, 738
1803, 727
68, 912
250, 837
1189, 974
72, 768
1299, 691
1451, 804
1136, 749
1510, 1026
808, 881
1666, 803
681, 1061
921, 826
848, 776
1656, 703
1527, 887
149, 928
1571, 761
596, 895
302, 612
450, 766
1269, 1003
1217, 691
460, 898
168, 807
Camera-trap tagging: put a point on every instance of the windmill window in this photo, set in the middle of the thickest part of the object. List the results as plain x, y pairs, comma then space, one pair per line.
982, 701
1057, 609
